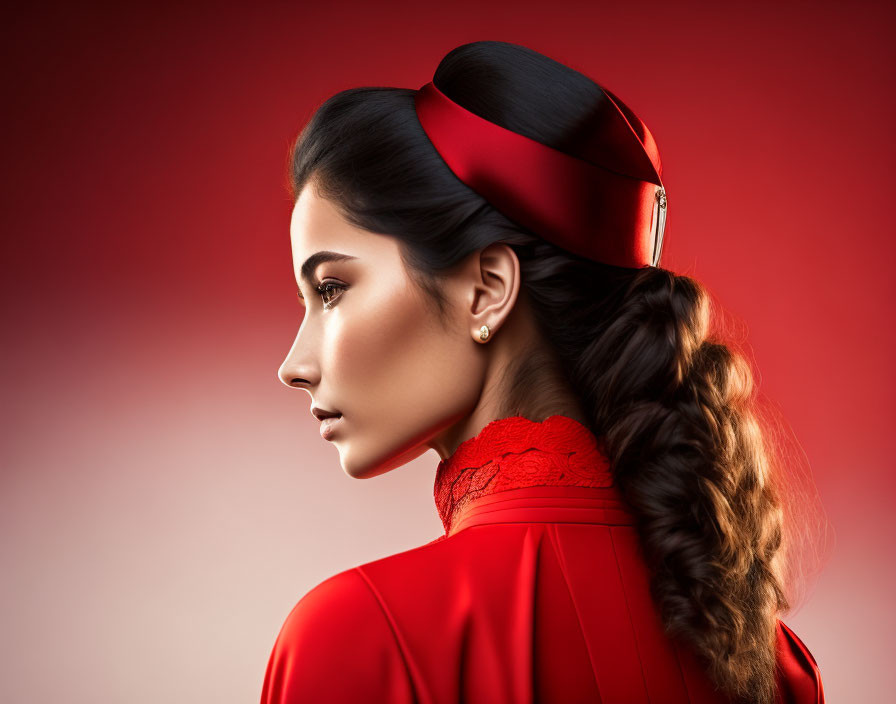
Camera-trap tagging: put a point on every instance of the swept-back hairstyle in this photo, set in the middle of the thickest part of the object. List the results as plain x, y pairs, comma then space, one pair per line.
672, 405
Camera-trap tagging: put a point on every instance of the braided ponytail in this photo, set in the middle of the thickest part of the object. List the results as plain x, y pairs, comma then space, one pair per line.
673, 409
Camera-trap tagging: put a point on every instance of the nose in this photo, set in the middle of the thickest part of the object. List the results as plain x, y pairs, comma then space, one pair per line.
299, 370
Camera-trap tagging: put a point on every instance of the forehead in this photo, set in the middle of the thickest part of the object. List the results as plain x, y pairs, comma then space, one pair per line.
316, 224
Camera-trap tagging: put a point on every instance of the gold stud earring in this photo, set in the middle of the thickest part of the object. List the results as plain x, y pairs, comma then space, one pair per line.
483, 332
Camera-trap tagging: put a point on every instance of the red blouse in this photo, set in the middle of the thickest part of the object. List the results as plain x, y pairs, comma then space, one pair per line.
537, 592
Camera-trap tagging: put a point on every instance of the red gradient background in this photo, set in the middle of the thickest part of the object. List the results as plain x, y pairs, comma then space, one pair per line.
165, 500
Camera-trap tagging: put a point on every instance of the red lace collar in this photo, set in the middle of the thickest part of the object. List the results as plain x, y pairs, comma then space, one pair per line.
515, 452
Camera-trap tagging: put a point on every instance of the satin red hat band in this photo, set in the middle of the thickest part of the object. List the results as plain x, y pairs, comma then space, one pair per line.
578, 205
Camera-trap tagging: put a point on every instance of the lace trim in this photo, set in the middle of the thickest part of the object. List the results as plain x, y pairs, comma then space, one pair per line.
516, 452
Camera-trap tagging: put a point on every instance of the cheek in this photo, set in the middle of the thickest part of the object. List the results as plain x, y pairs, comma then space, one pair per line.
394, 363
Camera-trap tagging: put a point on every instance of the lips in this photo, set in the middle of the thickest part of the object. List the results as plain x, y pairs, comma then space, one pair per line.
323, 413
328, 426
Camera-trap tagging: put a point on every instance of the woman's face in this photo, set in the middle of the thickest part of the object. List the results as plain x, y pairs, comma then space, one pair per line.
371, 347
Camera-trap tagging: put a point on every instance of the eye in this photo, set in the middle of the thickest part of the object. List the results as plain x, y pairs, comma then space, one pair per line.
324, 288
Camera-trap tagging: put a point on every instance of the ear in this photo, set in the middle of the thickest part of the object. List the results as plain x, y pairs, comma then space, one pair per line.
494, 286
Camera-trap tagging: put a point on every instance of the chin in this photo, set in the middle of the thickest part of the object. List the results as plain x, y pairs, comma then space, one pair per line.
373, 466
351, 465
362, 471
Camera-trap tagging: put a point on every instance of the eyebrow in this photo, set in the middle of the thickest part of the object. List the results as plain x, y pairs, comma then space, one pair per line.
318, 258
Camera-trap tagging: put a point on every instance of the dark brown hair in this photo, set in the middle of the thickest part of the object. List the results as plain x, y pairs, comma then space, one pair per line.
672, 405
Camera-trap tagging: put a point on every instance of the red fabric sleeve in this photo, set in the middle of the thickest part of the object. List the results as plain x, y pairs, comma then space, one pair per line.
338, 646
799, 679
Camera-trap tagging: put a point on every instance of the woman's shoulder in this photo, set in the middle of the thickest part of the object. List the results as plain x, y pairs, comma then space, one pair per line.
338, 593
320, 632
329, 613
799, 678
356, 606
351, 596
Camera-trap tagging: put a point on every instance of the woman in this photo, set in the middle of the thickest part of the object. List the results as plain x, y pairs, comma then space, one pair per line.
479, 266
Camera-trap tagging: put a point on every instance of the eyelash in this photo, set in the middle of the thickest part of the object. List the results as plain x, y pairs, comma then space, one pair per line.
325, 286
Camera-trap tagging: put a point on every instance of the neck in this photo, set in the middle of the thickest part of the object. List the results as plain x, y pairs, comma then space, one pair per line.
509, 393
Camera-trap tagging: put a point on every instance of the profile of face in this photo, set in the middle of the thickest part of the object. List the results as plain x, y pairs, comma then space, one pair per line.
372, 348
